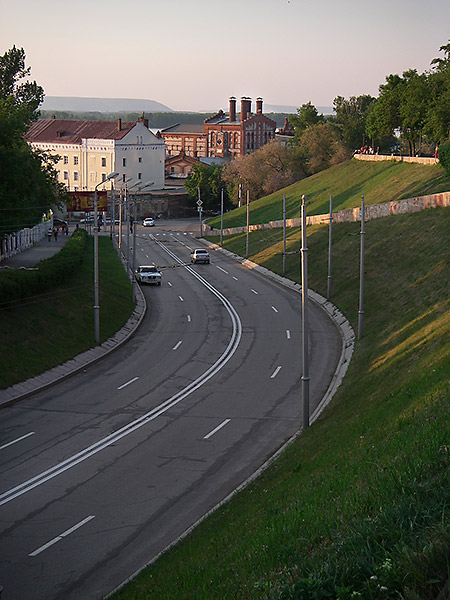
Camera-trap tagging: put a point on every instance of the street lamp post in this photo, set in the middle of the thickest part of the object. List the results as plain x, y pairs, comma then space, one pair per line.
133, 267
305, 359
96, 291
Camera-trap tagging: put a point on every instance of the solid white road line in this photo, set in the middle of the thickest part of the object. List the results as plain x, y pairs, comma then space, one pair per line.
177, 345
216, 429
17, 440
288, 334
128, 383
62, 536
275, 373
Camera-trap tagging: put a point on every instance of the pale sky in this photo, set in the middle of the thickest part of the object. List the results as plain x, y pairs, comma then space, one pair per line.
195, 54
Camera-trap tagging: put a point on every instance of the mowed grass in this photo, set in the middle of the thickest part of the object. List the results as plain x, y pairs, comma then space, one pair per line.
47, 330
377, 181
358, 506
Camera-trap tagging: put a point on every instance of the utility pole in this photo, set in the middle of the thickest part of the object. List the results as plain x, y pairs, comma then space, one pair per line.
248, 224
305, 359
221, 217
284, 234
329, 249
361, 275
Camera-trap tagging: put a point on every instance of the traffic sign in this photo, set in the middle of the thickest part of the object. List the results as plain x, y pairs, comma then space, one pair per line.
199, 202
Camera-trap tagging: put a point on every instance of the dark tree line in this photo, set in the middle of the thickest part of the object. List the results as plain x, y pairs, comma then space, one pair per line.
28, 181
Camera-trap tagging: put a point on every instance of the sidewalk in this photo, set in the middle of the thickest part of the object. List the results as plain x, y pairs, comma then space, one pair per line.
40, 251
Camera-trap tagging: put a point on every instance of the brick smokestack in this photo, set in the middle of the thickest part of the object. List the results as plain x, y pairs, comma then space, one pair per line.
232, 109
119, 124
246, 108
143, 120
259, 105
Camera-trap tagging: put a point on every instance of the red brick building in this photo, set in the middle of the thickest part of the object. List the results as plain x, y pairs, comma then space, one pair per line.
223, 135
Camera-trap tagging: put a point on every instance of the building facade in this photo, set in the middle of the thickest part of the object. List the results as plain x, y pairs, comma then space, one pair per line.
223, 135
90, 150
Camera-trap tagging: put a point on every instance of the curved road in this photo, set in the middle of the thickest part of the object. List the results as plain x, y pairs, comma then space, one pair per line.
102, 471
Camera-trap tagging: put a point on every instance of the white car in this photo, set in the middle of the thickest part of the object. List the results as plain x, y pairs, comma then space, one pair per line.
200, 255
148, 274
148, 222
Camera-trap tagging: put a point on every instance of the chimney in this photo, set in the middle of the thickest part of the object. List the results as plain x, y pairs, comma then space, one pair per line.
232, 109
259, 105
143, 120
119, 124
246, 107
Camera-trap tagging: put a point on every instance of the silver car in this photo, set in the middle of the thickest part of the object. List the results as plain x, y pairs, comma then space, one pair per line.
148, 274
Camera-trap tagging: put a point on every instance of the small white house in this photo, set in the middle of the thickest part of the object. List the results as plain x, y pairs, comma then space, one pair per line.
90, 150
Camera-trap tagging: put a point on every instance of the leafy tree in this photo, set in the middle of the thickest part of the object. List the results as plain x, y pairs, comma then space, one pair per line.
28, 181
322, 147
437, 124
351, 117
306, 116
209, 180
270, 168
444, 157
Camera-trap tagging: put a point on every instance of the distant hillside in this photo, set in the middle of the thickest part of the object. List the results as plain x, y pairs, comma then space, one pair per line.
103, 105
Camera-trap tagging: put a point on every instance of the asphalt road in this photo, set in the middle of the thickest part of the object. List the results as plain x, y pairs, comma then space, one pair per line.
102, 471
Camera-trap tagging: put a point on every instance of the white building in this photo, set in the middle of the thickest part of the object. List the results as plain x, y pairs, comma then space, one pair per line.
90, 150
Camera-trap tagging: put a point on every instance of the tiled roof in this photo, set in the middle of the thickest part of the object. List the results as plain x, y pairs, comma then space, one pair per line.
62, 131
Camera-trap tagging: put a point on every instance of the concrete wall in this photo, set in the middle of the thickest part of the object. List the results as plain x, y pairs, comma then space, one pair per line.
422, 160
376, 211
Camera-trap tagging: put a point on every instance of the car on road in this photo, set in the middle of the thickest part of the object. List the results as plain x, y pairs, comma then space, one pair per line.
148, 274
148, 222
200, 255
89, 219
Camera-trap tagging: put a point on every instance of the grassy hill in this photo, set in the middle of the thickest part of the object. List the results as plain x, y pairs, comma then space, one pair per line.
346, 182
358, 506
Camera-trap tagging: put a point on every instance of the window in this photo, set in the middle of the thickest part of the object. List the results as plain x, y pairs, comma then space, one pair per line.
124, 162
103, 176
66, 175
66, 160
140, 159
75, 160
139, 175
124, 177
103, 161
75, 175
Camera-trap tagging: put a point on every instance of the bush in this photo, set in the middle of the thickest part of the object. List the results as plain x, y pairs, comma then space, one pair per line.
16, 285
444, 156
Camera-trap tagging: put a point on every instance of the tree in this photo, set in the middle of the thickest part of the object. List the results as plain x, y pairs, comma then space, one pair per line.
322, 147
28, 181
437, 125
209, 180
267, 170
351, 117
306, 116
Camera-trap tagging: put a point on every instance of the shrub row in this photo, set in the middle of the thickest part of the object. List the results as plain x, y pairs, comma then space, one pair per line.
20, 284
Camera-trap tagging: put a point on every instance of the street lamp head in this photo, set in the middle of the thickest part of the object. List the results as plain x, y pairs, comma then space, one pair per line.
113, 175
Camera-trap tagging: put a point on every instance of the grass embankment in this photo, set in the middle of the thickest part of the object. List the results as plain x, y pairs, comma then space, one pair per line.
358, 506
377, 182
45, 330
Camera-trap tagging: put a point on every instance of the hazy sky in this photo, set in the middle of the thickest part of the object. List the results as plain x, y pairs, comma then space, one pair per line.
195, 54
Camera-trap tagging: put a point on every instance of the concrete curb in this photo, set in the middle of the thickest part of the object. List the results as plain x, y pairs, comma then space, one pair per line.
40, 382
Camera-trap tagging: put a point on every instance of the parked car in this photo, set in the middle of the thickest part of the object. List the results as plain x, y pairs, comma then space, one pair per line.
200, 255
148, 222
148, 274
59, 222
87, 220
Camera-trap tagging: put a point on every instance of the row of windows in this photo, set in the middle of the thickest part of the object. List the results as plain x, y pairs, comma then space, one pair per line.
76, 158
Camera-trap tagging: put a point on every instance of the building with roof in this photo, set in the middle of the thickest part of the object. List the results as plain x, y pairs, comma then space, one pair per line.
90, 150
223, 135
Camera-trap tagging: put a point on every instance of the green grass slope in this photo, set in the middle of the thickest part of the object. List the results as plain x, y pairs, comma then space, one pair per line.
347, 182
358, 506
46, 330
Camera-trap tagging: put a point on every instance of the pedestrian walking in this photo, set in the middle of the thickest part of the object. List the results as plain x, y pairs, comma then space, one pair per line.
55, 233
49, 234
